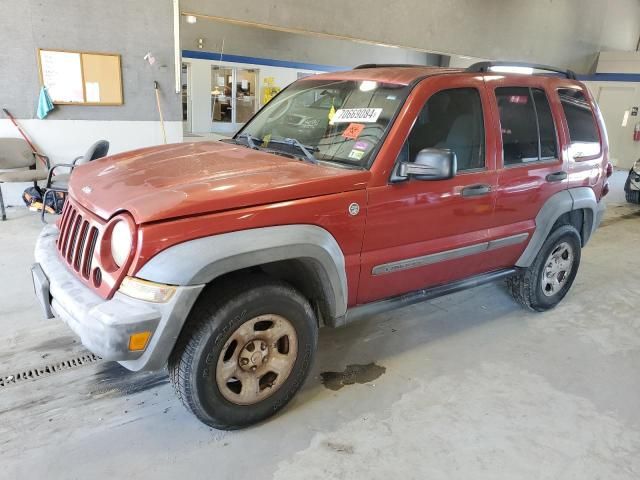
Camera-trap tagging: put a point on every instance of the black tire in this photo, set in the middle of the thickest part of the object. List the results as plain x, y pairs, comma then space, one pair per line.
214, 319
526, 286
632, 196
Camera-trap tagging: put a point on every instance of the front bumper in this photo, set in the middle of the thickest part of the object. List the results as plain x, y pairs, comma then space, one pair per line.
104, 326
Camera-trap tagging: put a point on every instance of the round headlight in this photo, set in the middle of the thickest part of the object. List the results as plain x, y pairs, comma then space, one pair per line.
121, 242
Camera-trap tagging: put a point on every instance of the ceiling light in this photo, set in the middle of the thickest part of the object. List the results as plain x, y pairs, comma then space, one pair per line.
191, 19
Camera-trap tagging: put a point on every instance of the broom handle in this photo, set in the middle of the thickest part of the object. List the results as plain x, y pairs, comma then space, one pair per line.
24, 135
164, 133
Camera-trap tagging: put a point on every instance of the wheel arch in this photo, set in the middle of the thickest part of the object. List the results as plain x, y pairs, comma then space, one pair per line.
306, 256
575, 206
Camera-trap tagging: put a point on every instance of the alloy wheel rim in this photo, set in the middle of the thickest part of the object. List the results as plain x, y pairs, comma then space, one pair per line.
557, 269
257, 359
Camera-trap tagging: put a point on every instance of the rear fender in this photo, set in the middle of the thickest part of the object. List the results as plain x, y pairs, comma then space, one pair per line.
563, 202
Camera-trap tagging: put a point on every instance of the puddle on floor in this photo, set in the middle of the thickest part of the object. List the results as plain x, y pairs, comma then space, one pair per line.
351, 375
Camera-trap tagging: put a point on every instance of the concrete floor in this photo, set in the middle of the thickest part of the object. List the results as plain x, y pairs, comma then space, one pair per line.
468, 386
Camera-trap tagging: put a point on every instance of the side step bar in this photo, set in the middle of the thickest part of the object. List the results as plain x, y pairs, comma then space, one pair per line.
362, 311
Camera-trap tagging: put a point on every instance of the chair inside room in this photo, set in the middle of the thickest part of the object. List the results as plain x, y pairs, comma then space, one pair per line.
20, 164
59, 182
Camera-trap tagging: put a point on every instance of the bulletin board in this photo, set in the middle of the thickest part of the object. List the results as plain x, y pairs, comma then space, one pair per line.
81, 78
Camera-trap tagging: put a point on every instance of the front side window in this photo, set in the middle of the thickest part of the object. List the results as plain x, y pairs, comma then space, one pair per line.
581, 122
526, 123
450, 119
340, 121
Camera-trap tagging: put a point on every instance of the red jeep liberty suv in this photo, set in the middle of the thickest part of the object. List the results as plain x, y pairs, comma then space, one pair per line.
346, 194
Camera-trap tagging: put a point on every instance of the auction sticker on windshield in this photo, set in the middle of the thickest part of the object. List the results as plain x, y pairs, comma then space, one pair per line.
362, 115
353, 131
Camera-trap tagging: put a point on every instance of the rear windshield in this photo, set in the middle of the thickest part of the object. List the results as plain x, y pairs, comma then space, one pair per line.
337, 121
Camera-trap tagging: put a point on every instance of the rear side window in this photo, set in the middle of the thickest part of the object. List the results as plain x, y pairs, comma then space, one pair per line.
528, 131
581, 122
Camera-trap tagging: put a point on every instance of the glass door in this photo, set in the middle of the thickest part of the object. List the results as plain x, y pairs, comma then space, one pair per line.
234, 97
246, 95
222, 90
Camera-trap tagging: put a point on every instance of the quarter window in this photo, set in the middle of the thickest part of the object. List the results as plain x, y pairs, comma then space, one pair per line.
450, 119
582, 126
526, 122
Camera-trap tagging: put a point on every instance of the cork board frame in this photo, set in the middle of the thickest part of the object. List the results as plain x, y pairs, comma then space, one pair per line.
81, 78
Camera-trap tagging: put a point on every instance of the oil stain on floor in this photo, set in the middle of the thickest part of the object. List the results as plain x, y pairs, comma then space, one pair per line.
351, 375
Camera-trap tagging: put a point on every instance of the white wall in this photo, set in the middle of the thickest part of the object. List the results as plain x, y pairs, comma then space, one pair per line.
64, 140
616, 98
618, 62
201, 86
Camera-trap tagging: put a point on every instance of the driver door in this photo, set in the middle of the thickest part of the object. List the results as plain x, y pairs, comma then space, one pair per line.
422, 233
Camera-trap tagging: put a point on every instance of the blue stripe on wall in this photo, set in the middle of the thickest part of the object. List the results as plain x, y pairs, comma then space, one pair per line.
610, 77
225, 57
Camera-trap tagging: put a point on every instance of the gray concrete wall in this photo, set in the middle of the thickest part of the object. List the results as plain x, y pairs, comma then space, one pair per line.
262, 43
128, 27
566, 33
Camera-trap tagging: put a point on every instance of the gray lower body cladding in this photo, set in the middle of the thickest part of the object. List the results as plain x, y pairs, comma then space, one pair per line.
104, 326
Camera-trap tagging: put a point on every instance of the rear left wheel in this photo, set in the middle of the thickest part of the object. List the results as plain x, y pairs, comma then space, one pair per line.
545, 283
241, 359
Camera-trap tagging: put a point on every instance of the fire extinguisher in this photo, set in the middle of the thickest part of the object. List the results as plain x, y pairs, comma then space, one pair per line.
636, 133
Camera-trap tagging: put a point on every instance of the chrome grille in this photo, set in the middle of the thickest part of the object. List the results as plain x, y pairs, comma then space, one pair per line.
77, 240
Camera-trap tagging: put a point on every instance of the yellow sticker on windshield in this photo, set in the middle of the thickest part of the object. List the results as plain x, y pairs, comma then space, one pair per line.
356, 154
266, 139
332, 112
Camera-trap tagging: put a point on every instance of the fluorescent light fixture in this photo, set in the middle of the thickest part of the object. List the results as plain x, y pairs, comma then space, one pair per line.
191, 19
368, 85
509, 69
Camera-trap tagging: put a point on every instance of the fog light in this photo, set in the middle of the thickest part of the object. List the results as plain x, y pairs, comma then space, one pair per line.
147, 291
138, 341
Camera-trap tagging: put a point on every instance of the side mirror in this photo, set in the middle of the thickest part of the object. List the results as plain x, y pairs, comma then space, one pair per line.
430, 164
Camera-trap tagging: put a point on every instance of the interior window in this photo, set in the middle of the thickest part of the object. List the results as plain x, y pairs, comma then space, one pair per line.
450, 119
580, 120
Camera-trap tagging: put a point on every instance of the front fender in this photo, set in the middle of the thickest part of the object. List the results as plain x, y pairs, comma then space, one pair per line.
202, 260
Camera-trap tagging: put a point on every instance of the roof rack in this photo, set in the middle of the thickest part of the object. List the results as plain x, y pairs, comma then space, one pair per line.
385, 65
486, 67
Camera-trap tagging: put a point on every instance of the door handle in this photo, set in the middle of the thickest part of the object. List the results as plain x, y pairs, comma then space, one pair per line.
476, 190
556, 176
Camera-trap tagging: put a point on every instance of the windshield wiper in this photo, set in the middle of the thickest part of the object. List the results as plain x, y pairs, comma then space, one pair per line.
250, 140
294, 142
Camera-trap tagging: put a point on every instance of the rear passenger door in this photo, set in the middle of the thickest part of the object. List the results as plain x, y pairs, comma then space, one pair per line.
531, 165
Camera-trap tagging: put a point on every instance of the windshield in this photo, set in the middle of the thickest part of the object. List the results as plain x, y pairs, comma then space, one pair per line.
336, 121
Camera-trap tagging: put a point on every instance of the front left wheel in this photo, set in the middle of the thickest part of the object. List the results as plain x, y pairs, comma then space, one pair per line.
242, 358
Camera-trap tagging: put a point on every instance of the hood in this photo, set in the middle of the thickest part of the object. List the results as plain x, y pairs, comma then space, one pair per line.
184, 179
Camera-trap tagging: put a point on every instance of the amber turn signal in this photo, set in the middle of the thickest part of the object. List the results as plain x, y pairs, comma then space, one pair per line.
138, 341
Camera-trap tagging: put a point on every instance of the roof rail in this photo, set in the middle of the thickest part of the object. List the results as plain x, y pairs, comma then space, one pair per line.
385, 65
486, 67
